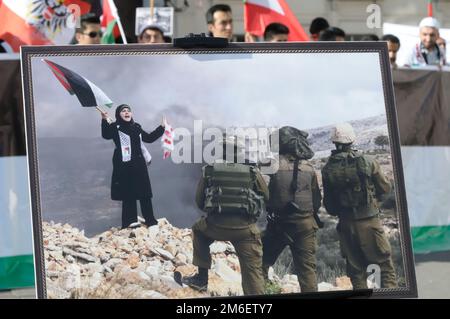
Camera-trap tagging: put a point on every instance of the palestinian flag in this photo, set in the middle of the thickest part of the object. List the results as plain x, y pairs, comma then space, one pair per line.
87, 92
38, 22
427, 173
423, 117
258, 14
16, 244
109, 22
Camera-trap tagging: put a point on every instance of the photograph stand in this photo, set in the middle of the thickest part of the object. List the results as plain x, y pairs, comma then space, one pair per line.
192, 41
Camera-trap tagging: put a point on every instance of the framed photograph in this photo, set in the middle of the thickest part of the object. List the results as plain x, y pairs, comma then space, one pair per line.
259, 169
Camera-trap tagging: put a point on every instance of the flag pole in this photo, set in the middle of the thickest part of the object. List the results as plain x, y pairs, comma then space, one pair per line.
102, 112
430, 8
152, 10
113, 7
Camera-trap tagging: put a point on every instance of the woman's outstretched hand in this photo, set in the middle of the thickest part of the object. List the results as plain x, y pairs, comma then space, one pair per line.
104, 115
163, 121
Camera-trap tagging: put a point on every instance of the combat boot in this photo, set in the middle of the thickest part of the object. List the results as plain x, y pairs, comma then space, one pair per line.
198, 281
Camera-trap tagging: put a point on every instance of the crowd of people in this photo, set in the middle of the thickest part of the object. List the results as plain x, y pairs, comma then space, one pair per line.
430, 50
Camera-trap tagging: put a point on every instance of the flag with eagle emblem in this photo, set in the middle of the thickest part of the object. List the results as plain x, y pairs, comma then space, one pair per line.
39, 22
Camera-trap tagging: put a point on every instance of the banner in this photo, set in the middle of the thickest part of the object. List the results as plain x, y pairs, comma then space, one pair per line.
423, 106
16, 249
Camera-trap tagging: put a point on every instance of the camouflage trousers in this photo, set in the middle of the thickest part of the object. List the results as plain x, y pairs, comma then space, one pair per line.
246, 242
363, 242
300, 236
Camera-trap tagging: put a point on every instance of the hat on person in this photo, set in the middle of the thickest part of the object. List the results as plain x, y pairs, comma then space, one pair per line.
151, 26
429, 22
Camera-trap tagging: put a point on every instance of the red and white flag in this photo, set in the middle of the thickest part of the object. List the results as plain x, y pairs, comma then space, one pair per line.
167, 140
260, 13
39, 22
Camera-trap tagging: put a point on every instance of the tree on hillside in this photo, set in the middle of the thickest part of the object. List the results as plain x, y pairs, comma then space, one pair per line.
382, 141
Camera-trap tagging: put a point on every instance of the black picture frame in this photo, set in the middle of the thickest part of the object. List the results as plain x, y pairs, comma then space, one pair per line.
30, 52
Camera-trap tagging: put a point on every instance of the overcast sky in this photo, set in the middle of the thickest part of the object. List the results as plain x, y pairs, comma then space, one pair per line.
305, 90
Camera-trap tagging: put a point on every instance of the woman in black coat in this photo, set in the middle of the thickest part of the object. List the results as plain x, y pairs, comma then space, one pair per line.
130, 181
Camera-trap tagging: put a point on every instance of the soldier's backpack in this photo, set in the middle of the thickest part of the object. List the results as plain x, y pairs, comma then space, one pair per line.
287, 187
229, 189
349, 180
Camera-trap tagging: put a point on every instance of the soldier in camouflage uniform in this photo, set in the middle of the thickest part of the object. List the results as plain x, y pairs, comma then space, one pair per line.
233, 195
352, 185
294, 200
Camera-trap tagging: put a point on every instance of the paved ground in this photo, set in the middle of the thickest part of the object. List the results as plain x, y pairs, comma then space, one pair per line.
27, 293
433, 275
432, 272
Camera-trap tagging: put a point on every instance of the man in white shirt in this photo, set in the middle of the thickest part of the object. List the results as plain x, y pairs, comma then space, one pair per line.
427, 52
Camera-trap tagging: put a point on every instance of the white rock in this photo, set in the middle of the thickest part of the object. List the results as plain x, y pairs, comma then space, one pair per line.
218, 247
95, 280
86, 257
144, 276
324, 286
164, 253
152, 271
271, 274
53, 248
153, 231
54, 291
180, 259
71, 277
225, 272
169, 282
151, 294
93, 268
289, 278
112, 263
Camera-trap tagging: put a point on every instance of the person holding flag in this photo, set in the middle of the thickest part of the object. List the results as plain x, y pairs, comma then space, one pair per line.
130, 180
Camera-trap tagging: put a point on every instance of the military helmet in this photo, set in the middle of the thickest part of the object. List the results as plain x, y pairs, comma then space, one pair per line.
343, 133
294, 142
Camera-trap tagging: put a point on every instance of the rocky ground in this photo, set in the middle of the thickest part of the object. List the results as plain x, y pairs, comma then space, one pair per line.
139, 263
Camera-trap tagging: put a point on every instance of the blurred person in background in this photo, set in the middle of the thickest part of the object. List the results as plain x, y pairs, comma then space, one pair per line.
427, 51
89, 31
393, 46
317, 26
220, 21
332, 34
151, 34
276, 32
370, 37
